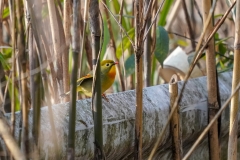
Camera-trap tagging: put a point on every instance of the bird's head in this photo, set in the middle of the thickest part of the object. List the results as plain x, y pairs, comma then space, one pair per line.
108, 67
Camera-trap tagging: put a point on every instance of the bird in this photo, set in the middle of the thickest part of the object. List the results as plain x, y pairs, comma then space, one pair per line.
108, 73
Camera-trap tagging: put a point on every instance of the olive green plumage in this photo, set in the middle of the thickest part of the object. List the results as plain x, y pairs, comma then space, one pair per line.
108, 72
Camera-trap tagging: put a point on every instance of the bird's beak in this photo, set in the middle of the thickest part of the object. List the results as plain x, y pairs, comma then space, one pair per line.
115, 62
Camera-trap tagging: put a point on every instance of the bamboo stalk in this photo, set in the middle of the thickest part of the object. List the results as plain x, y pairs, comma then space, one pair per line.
147, 46
22, 61
175, 124
96, 88
35, 91
73, 87
233, 127
215, 118
139, 79
65, 59
213, 106
12, 15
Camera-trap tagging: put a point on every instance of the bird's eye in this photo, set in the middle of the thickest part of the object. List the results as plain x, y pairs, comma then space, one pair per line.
107, 64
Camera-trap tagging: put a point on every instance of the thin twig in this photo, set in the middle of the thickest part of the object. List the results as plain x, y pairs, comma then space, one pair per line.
179, 35
233, 123
188, 24
124, 31
154, 20
121, 36
198, 10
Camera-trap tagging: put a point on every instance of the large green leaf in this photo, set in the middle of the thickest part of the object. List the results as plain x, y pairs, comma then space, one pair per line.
162, 45
130, 65
126, 43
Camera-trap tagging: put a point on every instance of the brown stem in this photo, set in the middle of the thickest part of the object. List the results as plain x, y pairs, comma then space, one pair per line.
174, 124
233, 127
191, 33
213, 106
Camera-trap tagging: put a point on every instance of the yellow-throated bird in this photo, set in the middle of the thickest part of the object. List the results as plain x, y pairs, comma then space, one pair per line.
108, 72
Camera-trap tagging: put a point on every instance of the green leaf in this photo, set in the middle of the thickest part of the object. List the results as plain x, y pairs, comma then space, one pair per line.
116, 7
218, 41
3, 62
182, 43
162, 45
218, 15
106, 38
126, 43
130, 65
222, 65
222, 48
5, 12
216, 36
164, 12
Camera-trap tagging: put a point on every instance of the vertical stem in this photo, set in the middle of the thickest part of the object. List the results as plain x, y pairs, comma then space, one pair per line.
23, 71
121, 34
147, 49
12, 13
191, 33
73, 87
86, 8
65, 59
174, 124
1, 22
97, 99
35, 90
213, 105
139, 79
233, 128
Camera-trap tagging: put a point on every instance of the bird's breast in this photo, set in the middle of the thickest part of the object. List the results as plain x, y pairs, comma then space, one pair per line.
112, 72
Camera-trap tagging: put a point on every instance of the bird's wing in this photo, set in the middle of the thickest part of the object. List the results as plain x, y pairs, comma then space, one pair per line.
87, 77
